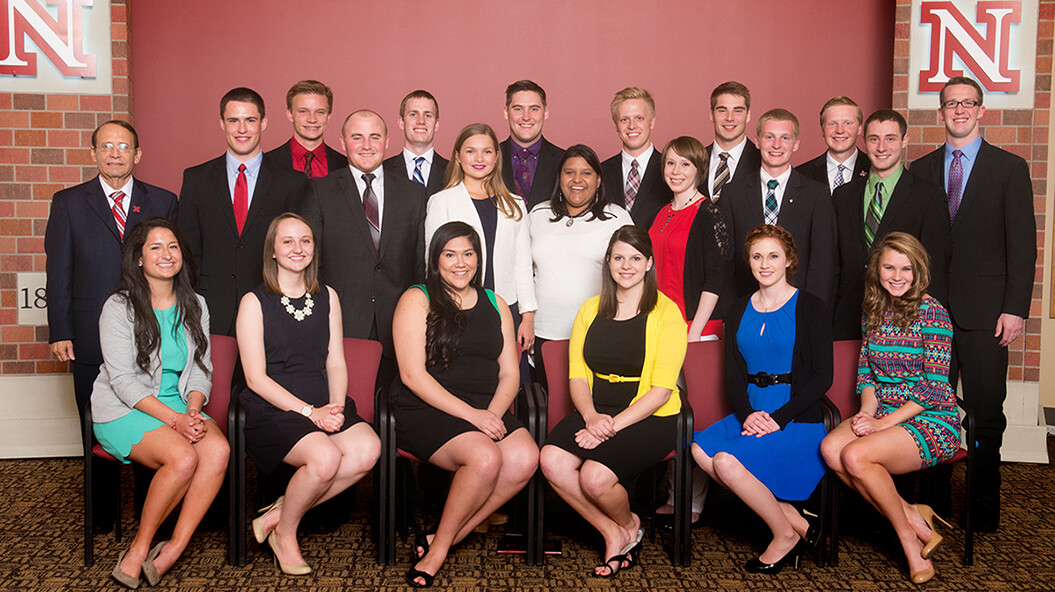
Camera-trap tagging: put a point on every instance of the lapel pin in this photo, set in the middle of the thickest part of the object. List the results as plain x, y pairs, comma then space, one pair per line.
135, 209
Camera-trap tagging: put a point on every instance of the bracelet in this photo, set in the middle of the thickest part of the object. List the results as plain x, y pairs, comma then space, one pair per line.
174, 418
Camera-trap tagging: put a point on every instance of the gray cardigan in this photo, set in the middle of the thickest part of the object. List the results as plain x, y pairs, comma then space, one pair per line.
121, 383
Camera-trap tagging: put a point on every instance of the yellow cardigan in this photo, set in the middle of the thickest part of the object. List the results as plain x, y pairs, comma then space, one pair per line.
666, 340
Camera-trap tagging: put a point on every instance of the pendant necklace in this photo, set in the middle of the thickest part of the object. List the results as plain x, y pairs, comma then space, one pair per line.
672, 210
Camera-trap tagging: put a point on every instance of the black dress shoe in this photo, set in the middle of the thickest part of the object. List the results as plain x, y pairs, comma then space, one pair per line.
772, 569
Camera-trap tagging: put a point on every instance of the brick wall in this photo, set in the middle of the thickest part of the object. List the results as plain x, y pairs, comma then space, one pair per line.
1023, 132
44, 141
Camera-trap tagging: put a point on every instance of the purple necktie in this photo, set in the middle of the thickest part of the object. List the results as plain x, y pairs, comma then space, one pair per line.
955, 184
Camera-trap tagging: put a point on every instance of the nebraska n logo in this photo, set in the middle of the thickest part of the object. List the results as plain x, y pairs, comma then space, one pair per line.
60, 38
952, 34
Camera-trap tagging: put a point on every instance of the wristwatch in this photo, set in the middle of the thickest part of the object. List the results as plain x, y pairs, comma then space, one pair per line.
306, 410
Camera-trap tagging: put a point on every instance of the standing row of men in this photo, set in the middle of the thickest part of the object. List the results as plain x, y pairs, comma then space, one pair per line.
368, 214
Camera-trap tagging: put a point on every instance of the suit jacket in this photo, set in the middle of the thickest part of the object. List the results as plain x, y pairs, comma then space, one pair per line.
284, 156
84, 258
369, 283
817, 169
545, 173
652, 195
805, 211
231, 264
750, 162
437, 172
994, 248
916, 207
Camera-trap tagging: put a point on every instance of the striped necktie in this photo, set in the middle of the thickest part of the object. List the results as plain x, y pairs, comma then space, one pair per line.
721, 176
119, 212
874, 215
417, 169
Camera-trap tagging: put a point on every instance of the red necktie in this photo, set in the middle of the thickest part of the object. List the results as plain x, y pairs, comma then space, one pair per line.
119, 213
241, 199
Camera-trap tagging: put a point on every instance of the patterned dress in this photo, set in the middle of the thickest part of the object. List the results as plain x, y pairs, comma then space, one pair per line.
913, 365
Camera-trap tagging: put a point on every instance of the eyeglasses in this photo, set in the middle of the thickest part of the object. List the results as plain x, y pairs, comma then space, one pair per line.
966, 104
108, 146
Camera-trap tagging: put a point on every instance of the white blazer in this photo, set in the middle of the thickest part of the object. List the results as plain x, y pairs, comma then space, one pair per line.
512, 250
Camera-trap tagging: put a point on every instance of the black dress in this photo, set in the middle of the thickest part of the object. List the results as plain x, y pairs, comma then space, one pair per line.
421, 429
618, 347
296, 359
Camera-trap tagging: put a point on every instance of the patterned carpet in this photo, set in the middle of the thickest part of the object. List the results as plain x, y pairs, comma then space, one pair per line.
40, 549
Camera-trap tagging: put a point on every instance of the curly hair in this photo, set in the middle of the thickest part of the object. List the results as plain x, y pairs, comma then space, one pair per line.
877, 300
782, 236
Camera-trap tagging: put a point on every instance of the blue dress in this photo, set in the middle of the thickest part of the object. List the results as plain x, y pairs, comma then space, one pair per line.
788, 461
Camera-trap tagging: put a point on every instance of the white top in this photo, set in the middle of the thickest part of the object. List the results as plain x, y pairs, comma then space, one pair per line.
734, 158
512, 250
426, 165
782, 183
848, 168
568, 263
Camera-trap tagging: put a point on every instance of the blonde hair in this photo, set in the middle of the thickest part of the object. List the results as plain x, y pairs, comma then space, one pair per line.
493, 183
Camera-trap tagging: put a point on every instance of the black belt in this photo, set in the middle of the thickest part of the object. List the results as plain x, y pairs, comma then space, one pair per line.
763, 379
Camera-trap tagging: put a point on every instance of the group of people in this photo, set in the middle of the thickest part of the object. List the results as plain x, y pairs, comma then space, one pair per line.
461, 269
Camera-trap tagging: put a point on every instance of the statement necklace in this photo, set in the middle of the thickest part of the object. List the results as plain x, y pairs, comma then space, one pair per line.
299, 315
672, 210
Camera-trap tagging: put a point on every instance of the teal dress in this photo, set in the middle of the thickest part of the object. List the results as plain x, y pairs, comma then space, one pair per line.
120, 435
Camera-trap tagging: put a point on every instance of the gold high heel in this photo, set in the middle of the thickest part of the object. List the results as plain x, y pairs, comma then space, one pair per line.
922, 576
928, 515
258, 523
290, 570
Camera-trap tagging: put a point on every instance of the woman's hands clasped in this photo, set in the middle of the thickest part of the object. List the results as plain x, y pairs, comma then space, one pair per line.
488, 423
190, 425
329, 418
759, 424
599, 427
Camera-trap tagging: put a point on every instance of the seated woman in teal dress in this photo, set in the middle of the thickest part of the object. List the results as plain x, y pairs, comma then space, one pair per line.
147, 400
908, 418
778, 365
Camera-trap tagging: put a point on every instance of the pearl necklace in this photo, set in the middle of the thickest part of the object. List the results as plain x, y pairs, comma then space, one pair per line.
299, 315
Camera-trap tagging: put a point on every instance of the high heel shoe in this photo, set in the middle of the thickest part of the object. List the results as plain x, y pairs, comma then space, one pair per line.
772, 569
928, 515
813, 529
290, 570
122, 578
922, 576
150, 571
259, 532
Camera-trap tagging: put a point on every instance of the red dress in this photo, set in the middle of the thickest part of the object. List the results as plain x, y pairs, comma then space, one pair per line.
670, 235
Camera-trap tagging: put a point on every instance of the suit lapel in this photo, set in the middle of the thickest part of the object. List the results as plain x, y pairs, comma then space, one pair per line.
136, 205
896, 201
262, 191
350, 192
650, 178
970, 192
754, 203
223, 199
507, 165
101, 207
787, 203
857, 208
393, 188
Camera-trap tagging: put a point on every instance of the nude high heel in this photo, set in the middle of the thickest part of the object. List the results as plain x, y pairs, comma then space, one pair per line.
928, 515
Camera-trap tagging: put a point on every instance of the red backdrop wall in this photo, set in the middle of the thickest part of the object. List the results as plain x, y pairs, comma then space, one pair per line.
795, 55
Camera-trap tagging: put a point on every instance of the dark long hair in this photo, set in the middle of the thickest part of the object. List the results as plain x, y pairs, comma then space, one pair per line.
638, 239
558, 206
136, 292
446, 320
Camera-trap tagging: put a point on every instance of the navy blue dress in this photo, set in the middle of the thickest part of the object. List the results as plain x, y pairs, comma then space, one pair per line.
787, 461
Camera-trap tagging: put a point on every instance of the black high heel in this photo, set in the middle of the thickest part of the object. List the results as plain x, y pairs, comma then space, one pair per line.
772, 569
813, 530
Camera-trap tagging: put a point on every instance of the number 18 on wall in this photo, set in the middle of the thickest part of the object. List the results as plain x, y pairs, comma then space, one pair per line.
32, 298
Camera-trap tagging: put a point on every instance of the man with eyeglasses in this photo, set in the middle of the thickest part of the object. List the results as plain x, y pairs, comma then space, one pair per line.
994, 253
82, 241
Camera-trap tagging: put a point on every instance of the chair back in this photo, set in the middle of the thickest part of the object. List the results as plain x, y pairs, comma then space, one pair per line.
843, 392
223, 350
363, 357
704, 370
558, 397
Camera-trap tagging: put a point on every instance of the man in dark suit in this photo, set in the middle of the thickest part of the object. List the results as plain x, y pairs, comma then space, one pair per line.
529, 161
82, 241
890, 199
778, 194
633, 178
842, 161
309, 104
370, 222
731, 156
994, 252
419, 118
226, 205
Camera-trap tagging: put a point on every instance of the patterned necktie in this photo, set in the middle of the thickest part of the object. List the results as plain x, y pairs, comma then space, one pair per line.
721, 176
420, 178
370, 207
839, 176
308, 158
521, 173
874, 215
241, 199
119, 212
633, 183
771, 202
955, 184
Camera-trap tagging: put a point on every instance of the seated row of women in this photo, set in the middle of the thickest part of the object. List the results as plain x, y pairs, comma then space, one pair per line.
458, 362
